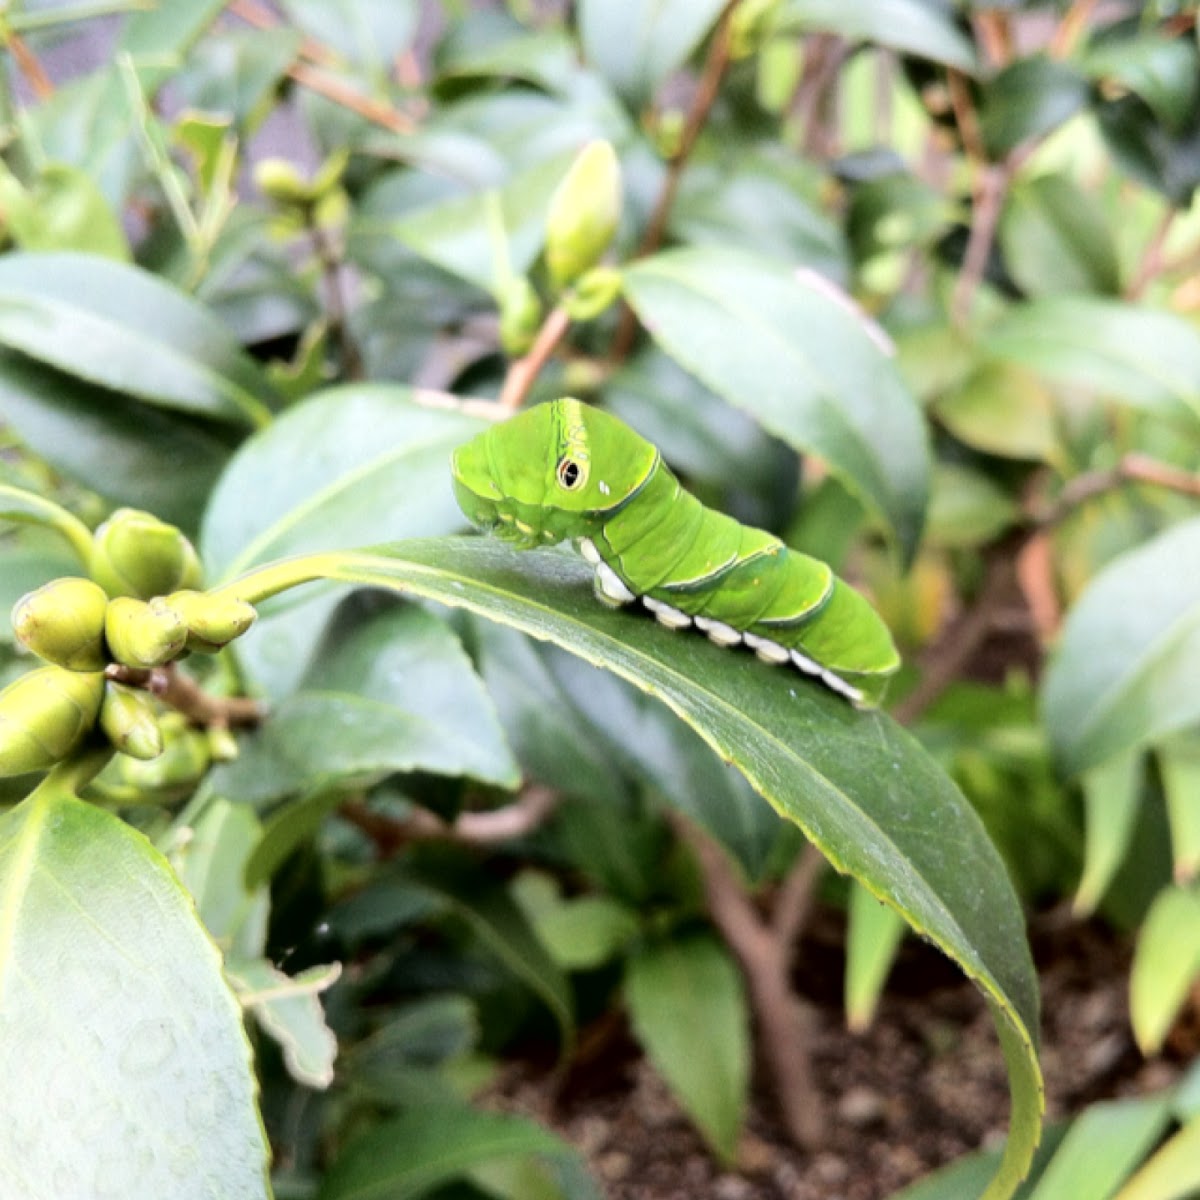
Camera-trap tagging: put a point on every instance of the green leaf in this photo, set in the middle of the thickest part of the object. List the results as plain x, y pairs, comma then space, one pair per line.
412, 1155
382, 472
124, 329
1161, 69
799, 361
638, 43
63, 210
911, 26
582, 933
387, 691
858, 786
495, 918
457, 234
289, 1009
211, 863
1111, 796
127, 451
367, 33
1125, 668
1166, 963
1128, 353
872, 939
1004, 410
1028, 99
1179, 769
1056, 238
1102, 1146
967, 508
1173, 1173
288, 828
688, 1010
112, 999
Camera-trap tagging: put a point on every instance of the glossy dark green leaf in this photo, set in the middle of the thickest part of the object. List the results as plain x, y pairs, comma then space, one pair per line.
1143, 147
637, 43
917, 28
799, 361
1028, 99
412, 1155
112, 999
1125, 668
129, 452
1128, 353
1056, 238
860, 788
759, 200
126, 330
1163, 70
687, 1004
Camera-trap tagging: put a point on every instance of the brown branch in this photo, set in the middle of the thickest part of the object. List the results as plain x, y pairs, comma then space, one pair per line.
1152, 262
261, 17
995, 36
985, 218
391, 834
523, 372
1132, 468
319, 80
705, 96
1071, 28
784, 1037
794, 901
183, 693
29, 66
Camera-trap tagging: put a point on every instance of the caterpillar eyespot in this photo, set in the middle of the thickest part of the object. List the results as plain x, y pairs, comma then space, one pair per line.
648, 539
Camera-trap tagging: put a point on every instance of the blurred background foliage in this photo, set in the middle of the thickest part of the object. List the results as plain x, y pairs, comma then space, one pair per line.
912, 283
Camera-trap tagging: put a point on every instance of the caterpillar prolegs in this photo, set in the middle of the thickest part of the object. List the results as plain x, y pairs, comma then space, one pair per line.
567, 471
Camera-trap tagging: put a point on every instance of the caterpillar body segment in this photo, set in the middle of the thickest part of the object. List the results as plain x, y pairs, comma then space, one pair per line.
565, 471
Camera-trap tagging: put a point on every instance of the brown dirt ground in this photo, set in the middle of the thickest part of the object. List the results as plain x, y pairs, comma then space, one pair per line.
923, 1086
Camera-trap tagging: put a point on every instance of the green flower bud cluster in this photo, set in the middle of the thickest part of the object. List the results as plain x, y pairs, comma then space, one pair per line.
140, 610
185, 754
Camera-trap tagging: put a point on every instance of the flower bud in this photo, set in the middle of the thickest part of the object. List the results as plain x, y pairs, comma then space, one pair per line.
584, 213
184, 759
141, 634
212, 621
136, 554
129, 721
520, 315
593, 292
279, 180
63, 622
44, 715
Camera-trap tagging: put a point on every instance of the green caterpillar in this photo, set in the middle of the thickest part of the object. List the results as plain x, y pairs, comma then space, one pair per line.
564, 470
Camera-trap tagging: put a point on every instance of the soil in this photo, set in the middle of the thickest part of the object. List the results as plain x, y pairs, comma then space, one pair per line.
923, 1086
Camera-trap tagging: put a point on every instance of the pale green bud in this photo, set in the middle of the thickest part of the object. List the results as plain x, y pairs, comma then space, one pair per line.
44, 715
520, 316
144, 635
212, 621
184, 759
584, 213
130, 722
63, 622
136, 554
593, 292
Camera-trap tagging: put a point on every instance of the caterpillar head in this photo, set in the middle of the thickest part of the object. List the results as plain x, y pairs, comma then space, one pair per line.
551, 472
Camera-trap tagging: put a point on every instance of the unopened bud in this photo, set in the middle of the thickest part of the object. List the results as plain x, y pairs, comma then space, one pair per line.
136, 554
44, 715
584, 213
144, 635
593, 292
129, 721
279, 180
520, 315
63, 622
212, 621
184, 759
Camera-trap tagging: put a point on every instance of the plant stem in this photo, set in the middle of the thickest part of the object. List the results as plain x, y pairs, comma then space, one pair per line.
182, 693
709, 86
335, 299
1152, 262
523, 372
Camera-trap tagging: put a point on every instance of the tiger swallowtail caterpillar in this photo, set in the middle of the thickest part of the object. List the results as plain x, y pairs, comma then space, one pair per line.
565, 470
